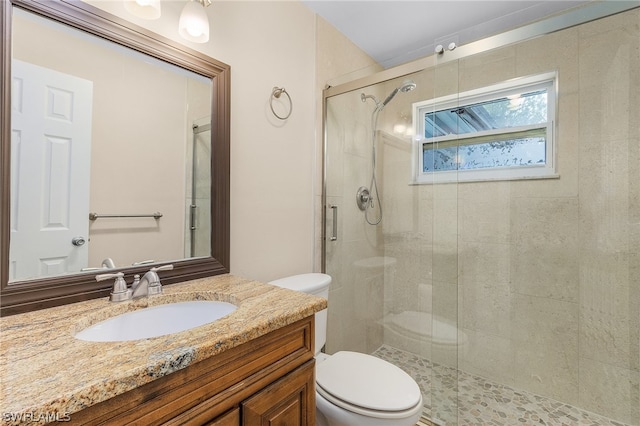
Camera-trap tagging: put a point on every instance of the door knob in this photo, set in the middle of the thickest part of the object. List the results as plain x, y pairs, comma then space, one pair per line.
78, 241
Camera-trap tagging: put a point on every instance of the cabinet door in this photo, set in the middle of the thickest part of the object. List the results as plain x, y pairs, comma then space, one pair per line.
290, 401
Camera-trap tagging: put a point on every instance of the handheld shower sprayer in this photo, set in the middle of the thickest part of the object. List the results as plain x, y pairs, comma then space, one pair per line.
388, 99
365, 196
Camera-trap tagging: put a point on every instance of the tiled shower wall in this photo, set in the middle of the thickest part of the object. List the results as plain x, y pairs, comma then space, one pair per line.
541, 276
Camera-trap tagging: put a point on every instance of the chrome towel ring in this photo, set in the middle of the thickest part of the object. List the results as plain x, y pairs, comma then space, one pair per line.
275, 94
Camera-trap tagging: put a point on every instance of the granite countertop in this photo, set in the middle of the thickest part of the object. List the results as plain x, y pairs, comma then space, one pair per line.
45, 371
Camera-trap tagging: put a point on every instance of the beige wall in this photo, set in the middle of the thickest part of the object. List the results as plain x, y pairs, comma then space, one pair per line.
270, 44
542, 276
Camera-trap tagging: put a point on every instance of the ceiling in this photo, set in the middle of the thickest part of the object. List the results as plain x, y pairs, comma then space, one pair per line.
393, 32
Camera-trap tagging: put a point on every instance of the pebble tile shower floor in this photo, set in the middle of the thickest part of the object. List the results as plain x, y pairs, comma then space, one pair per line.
484, 403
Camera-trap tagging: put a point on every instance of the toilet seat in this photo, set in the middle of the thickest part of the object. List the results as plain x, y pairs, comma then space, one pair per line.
367, 385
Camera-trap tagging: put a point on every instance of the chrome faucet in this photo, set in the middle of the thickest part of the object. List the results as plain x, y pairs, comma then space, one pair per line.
108, 263
149, 284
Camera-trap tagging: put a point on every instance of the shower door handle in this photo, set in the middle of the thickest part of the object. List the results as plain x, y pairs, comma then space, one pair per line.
334, 232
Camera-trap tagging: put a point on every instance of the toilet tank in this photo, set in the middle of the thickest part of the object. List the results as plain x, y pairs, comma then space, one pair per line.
318, 285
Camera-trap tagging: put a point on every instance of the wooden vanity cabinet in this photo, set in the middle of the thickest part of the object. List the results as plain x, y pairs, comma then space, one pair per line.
267, 381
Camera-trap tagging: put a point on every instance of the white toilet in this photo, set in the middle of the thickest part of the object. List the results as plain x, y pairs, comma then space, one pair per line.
355, 389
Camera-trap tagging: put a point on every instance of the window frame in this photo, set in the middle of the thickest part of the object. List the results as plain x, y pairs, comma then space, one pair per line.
519, 85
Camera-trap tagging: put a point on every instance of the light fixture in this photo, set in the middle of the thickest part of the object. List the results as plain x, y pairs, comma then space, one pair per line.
194, 23
145, 9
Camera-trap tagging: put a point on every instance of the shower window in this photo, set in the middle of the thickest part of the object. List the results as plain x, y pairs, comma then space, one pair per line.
504, 131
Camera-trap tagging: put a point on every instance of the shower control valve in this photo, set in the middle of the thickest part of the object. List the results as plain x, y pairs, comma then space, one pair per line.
363, 198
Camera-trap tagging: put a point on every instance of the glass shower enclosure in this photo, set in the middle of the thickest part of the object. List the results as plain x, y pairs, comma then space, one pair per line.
511, 299
198, 190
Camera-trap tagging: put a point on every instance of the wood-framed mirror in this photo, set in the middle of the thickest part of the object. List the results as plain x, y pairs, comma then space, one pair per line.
188, 88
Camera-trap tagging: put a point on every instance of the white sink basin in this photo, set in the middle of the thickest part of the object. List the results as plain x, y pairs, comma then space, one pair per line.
156, 321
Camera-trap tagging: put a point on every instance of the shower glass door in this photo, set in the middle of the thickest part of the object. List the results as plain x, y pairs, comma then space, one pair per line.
354, 251
393, 258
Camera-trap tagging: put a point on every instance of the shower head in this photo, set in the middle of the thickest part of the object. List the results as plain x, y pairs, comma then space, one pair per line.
405, 87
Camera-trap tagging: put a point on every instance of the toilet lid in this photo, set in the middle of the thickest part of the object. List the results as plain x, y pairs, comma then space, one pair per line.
368, 382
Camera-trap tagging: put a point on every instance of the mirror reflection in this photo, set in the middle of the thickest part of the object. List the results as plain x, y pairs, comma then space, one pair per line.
110, 154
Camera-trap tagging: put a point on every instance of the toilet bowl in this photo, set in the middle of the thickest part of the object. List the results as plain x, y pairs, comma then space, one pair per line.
355, 389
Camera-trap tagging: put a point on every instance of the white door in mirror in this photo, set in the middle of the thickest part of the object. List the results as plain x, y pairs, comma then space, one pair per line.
156, 321
51, 128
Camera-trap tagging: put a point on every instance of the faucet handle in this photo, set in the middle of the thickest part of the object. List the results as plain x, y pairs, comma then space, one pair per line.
142, 262
155, 287
162, 268
120, 291
103, 277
